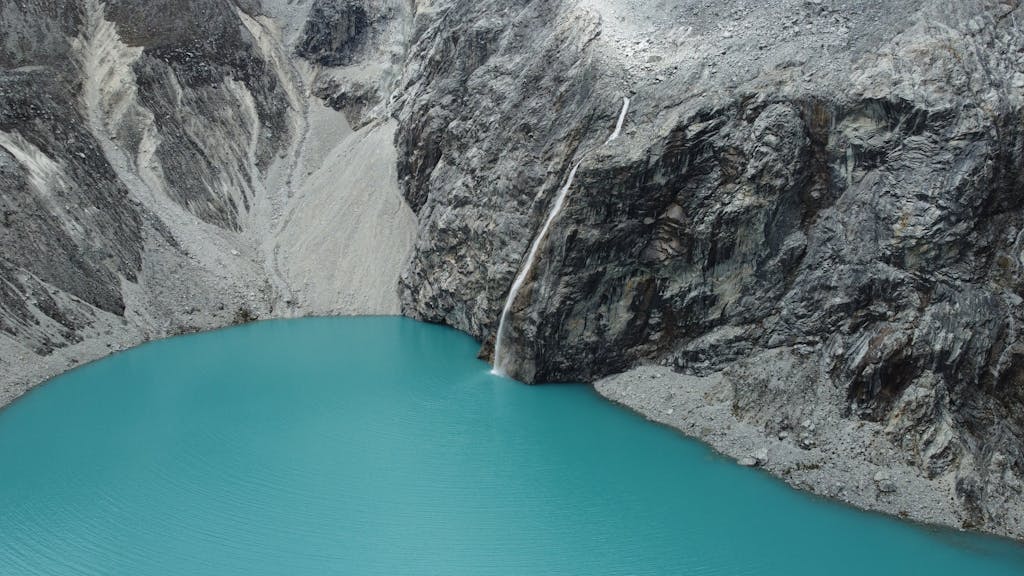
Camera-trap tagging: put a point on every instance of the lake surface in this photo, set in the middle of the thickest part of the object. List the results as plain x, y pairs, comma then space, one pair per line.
383, 446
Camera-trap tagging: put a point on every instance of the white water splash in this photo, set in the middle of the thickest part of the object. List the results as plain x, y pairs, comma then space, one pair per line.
622, 120
500, 362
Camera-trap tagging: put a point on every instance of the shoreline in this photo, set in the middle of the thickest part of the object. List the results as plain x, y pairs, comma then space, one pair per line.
32, 371
697, 407
41, 370
700, 408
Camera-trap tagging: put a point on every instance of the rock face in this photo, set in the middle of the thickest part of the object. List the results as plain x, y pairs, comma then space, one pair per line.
815, 205
840, 201
335, 32
67, 232
115, 121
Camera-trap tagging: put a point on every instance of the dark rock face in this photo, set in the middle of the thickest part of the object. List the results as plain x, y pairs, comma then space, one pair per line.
360, 48
66, 223
335, 32
870, 221
181, 75
89, 223
475, 148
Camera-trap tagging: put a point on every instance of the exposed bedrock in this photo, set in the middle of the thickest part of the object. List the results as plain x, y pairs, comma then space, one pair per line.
845, 195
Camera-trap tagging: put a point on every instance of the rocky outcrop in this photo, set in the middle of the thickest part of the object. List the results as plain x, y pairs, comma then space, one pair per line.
336, 32
846, 193
67, 230
360, 45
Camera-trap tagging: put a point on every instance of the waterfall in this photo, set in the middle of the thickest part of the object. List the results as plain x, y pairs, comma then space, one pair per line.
622, 119
499, 365
500, 362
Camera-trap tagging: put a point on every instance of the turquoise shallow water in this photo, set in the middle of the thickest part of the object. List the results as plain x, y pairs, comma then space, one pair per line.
382, 446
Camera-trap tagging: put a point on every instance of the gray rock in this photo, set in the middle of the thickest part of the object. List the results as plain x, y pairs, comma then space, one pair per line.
884, 482
335, 32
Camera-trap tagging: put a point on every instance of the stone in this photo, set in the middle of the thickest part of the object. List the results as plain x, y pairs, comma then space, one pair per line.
883, 481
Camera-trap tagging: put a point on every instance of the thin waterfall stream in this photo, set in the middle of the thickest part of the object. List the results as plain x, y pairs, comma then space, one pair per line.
500, 359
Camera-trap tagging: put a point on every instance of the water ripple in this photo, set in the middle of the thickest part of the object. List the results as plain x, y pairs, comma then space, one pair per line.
382, 446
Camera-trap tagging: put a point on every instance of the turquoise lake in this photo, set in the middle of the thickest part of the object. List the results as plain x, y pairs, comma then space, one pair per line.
383, 446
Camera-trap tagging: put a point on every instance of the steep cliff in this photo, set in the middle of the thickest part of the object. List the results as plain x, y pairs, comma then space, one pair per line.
839, 202
811, 220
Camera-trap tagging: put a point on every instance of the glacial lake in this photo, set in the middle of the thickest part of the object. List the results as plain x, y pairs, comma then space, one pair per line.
369, 446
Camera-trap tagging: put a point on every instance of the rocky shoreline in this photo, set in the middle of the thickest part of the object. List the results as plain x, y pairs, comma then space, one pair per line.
849, 461
23, 370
